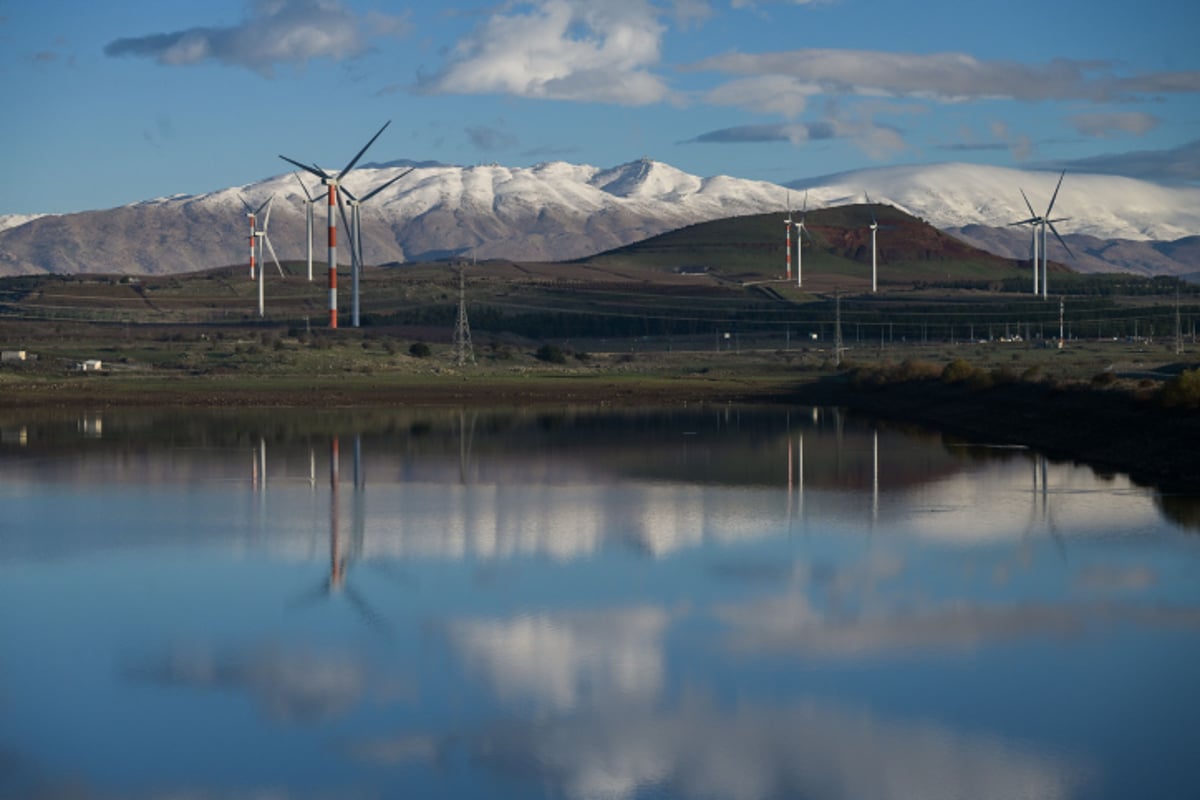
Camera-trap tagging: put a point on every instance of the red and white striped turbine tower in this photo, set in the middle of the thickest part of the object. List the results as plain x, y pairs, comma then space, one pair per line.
332, 182
253, 213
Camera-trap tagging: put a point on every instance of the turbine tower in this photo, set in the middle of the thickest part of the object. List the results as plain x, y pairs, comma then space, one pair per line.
261, 235
875, 226
253, 213
332, 182
1046, 222
801, 232
787, 229
309, 201
355, 226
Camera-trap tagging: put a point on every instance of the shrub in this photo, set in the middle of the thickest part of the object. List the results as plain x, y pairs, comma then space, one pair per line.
1105, 378
1183, 390
419, 350
1003, 375
914, 369
957, 371
551, 354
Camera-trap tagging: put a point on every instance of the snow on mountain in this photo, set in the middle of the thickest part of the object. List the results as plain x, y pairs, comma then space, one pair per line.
958, 195
15, 220
559, 211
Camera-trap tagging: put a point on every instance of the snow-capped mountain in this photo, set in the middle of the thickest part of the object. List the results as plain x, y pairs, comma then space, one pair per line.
559, 211
958, 195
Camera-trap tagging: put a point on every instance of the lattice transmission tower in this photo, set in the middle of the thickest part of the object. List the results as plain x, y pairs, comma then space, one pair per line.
463, 351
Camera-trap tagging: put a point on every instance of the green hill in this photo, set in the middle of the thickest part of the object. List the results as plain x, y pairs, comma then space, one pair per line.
836, 251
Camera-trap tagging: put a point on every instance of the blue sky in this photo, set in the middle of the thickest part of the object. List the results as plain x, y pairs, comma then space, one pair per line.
110, 103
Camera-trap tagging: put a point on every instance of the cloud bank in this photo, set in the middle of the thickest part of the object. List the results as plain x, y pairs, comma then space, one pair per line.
561, 50
276, 32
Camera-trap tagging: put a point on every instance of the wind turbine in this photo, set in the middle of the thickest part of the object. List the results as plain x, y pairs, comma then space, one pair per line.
253, 213
787, 223
261, 235
875, 226
1043, 221
1049, 223
335, 582
355, 226
332, 182
309, 200
801, 231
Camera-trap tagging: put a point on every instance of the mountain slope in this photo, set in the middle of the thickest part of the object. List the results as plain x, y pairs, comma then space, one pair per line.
560, 211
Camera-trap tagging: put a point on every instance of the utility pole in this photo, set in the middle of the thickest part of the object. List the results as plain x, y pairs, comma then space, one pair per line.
837, 346
462, 331
1061, 305
1178, 324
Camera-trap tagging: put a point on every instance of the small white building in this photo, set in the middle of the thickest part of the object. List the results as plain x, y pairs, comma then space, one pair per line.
12, 355
91, 365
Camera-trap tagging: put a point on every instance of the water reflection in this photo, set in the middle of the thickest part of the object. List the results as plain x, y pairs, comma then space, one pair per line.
714, 602
803, 749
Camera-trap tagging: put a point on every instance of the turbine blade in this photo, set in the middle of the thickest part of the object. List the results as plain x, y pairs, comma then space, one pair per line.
1028, 205
805, 209
379, 189
311, 199
274, 257
354, 160
267, 219
346, 191
348, 229
315, 170
368, 614
1054, 196
245, 205
1030, 221
309, 596
1054, 230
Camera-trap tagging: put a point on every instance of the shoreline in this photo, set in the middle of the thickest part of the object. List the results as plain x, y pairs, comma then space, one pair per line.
1110, 429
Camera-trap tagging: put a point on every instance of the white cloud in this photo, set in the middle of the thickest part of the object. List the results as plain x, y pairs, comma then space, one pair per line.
778, 94
562, 50
290, 686
276, 32
949, 77
1103, 125
806, 749
564, 661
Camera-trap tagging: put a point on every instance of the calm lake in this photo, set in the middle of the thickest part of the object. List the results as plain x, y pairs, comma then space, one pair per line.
717, 602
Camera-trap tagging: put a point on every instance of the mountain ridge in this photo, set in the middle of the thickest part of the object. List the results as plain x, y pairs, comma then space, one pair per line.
557, 211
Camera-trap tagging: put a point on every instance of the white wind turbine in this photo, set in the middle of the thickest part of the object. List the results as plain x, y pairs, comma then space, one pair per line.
875, 226
355, 227
1043, 221
309, 201
787, 228
1049, 223
261, 235
332, 182
801, 232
